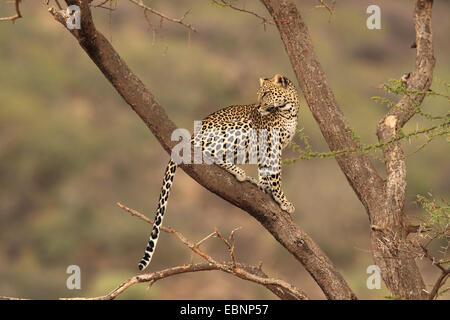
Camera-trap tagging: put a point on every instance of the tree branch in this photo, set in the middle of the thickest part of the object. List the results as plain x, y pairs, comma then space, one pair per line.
165, 17
225, 3
244, 195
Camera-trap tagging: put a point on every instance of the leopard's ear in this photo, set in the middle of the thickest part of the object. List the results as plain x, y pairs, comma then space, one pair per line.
261, 81
278, 79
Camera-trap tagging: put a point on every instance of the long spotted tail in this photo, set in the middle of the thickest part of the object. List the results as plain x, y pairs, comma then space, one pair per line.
154, 236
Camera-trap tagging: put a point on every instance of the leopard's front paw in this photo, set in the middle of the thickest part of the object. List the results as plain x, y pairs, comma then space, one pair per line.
240, 176
288, 207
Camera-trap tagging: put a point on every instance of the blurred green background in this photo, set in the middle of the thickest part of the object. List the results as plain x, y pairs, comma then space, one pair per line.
70, 147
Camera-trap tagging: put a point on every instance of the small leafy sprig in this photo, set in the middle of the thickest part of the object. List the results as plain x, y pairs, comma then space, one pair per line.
396, 87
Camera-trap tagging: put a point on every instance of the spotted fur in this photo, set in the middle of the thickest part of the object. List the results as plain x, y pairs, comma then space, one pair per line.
272, 120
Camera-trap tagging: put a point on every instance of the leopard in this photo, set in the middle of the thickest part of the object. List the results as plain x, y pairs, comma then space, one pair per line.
237, 134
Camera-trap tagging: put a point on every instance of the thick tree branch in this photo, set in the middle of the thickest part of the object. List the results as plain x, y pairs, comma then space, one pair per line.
280, 288
244, 195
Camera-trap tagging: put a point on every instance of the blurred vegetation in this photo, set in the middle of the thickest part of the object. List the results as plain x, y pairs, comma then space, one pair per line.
70, 147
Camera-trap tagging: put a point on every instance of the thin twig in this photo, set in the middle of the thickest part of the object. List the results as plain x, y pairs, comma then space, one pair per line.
229, 245
324, 5
16, 16
165, 17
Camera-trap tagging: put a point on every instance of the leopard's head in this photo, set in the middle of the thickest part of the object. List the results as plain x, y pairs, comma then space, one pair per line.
276, 93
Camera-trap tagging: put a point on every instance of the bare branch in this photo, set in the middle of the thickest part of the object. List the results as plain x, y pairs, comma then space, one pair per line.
279, 287
312, 80
56, 2
164, 16
100, 4
16, 16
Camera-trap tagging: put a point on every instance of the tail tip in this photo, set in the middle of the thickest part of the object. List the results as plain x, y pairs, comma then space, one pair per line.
141, 266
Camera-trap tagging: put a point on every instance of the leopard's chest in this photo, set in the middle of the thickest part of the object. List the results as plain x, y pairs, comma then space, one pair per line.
287, 133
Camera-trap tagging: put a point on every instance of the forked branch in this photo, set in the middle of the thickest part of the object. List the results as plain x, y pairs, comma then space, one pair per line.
225, 3
255, 274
